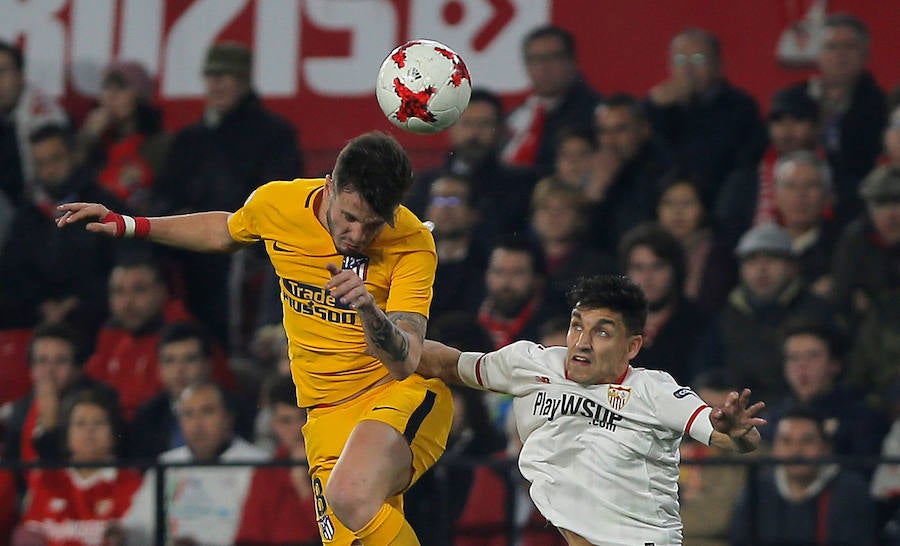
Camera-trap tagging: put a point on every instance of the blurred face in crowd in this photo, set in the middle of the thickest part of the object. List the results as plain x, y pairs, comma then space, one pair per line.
449, 209
510, 280
843, 56
654, 275
692, 60
557, 219
808, 366
573, 160
799, 438
287, 420
892, 139
11, 83
800, 195
680, 210
53, 362
182, 363
224, 91
765, 275
620, 132
119, 99
886, 218
90, 434
550, 68
205, 421
477, 133
789, 134
599, 346
53, 162
136, 296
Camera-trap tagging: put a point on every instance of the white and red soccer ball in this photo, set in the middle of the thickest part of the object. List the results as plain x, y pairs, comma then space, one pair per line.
423, 86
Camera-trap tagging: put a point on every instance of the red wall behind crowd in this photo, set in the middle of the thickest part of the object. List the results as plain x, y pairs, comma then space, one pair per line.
621, 47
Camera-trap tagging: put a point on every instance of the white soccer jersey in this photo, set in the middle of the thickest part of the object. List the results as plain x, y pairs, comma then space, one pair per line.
603, 459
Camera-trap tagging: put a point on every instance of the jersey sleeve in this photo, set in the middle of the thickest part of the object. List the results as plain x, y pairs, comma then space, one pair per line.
495, 371
411, 282
680, 409
242, 225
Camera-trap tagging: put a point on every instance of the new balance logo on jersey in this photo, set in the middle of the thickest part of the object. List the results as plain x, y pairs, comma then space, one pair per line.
572, 405
360, 266
542, 379
683, 392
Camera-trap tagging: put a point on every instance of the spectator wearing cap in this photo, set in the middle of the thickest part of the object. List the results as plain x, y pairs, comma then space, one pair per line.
23, 109
852, 108
745, 337
748, 196
216, 163
712, 126
123, 138
866, 259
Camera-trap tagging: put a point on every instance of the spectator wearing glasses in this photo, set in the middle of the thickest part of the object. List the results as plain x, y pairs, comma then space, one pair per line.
559, 98
712, 126
462, 258
852, 108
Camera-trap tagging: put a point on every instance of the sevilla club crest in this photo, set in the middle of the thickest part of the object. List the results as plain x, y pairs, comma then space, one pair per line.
618, 396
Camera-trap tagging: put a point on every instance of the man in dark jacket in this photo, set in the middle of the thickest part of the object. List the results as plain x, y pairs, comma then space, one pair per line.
852, 108
217, 162
48, 274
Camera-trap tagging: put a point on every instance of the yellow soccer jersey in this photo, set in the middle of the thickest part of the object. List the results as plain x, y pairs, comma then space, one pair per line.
326, 340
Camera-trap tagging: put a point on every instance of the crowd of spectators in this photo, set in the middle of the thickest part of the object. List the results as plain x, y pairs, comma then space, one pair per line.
768, 244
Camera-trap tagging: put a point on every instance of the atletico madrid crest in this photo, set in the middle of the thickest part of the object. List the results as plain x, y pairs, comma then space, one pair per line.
618, 396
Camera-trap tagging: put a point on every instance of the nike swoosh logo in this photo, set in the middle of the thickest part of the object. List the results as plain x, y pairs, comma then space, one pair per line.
384, 407
279, 248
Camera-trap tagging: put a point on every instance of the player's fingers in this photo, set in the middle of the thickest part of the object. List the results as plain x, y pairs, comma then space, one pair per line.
333, 268
756, 408
91, 211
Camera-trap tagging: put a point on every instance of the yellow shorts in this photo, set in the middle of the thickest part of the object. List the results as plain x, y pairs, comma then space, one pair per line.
420, 409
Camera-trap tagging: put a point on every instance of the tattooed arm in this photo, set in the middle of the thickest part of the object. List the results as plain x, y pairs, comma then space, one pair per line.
394, 338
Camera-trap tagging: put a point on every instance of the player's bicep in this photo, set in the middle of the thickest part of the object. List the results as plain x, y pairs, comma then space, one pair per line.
682, 410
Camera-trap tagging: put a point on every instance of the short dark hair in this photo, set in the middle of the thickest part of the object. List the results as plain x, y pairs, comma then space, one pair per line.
516, 243
140, 256
104, 398
281, 390
185, 330
377, 167
663, 244
635, 107
480, 94
830, 334
15, 52
48, 131
616, 293
846, 20
800, 411
210, 384
712, 41
546, 31
56, 331
471, 198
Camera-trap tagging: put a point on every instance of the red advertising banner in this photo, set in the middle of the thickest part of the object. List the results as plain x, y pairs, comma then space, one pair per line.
316, 60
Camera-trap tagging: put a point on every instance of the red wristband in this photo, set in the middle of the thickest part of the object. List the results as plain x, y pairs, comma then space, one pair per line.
128, 226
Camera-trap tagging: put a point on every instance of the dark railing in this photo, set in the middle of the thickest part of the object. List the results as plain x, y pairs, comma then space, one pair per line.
503, 467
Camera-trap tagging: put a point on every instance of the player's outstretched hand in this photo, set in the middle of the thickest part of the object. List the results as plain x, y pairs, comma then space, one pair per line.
736, 417
76, 212
348, 287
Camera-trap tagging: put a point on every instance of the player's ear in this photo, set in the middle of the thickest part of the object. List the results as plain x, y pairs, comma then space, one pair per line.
634, 345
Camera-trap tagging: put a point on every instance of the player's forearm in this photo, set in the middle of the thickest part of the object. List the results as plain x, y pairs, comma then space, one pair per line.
439, 360
200, 232
742, 444
396, 348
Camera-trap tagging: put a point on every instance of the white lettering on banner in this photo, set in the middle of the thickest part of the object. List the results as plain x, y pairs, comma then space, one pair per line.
499, 62
373, 31
44, 35
277, 32
142, 22
189, 38
92, 25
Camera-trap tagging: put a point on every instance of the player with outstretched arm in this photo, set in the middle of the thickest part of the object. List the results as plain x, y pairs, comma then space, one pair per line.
356, 272
600, 436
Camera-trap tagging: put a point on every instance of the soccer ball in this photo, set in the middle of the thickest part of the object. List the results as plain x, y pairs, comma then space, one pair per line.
423, 86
